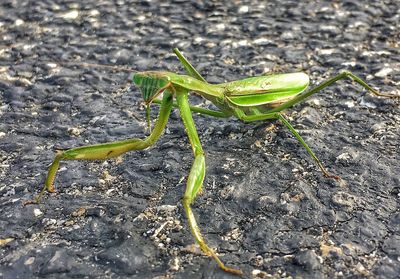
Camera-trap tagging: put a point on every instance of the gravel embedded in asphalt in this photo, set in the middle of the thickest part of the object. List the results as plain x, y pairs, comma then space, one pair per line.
265, 206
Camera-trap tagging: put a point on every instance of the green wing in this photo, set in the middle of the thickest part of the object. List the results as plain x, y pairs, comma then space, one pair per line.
262, 90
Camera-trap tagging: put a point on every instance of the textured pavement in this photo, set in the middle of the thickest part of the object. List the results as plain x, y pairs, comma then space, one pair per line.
266, 207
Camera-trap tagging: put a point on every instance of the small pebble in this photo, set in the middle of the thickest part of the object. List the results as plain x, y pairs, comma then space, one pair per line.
37, 212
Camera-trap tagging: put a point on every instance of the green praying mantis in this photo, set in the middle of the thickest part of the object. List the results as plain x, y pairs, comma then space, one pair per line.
250, 99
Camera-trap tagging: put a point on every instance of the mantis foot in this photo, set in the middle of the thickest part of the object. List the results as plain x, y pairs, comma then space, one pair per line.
50, 188
210, 253
25, 203
334, 176
328, 174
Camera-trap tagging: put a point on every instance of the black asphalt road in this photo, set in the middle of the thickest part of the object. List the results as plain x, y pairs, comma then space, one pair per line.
266, 207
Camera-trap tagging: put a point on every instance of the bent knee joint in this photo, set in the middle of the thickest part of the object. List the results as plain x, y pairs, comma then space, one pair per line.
346, 73
187, 200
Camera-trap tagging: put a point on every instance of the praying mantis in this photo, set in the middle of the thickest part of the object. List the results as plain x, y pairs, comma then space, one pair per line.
250, 99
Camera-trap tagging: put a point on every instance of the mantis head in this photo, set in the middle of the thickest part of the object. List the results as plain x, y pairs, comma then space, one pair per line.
151, 84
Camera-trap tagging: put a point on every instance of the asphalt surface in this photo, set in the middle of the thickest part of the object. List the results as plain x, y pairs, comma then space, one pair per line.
266, 207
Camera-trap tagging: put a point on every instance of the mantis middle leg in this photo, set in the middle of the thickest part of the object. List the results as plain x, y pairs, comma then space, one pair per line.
195, 178
108, 150
200, 110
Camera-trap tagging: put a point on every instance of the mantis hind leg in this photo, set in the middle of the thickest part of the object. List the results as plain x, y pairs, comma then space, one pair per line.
321, 86
195, 179
108, 150
277, 115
